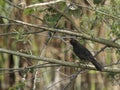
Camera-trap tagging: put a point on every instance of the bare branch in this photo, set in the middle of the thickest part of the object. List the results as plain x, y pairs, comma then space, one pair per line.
99, 40
43, 4
60, 62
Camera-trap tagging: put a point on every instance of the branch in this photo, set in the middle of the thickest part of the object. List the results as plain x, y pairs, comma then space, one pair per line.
99, 40
29, 67
61, 62
43, 4
98, 11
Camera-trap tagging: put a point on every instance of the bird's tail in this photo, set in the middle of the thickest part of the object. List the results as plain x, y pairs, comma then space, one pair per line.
97, 65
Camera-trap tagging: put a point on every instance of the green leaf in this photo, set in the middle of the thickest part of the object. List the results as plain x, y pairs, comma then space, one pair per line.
28, 11
97, 1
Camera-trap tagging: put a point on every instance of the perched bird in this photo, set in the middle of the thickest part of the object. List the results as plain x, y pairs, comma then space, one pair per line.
84, 54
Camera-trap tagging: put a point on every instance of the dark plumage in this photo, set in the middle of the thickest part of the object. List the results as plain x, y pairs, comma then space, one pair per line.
84, 54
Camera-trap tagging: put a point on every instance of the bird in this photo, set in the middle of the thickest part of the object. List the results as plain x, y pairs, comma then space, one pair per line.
84, 54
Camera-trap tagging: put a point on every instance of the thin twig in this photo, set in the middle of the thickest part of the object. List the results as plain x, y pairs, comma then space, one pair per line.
104, 48
73, 77
44, 4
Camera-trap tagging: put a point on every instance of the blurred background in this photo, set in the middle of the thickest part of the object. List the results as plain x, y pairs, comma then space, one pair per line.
92, 18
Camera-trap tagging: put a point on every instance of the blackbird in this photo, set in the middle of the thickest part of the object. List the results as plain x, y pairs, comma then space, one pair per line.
84, 54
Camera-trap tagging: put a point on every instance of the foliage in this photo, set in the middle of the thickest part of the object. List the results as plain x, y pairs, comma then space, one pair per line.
101, 21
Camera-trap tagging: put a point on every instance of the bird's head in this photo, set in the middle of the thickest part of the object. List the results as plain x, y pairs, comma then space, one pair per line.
73, 41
